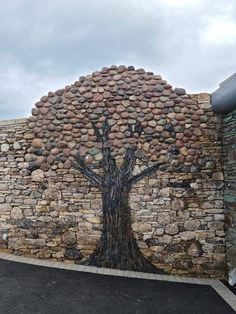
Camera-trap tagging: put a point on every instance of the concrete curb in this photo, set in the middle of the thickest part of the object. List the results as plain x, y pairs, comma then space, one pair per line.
217, 285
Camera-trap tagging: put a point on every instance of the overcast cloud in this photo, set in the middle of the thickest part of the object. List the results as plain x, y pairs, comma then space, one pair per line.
47, 44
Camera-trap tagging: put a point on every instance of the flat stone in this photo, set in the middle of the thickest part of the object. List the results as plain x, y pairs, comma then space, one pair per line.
178, 204
97, 97
37, 175
165, 192
218, 176
163, 218
51, 194
16, 213
5, 207
180, 91
141, 227
190, 225
187, 235
68, 237
5, 147
16, 145
172, 229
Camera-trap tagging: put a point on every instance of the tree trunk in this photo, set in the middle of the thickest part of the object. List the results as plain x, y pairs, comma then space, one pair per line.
117, 247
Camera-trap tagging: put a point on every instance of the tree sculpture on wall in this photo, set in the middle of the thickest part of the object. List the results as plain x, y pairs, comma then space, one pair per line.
117, 247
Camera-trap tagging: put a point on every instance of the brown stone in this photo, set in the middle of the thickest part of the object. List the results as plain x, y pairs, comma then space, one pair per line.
37, 143
98, 97
68, 237
67, 127
194, 248
62, 144
180, 116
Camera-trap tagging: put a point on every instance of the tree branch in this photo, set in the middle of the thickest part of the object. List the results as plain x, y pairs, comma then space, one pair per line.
104, 136
94, 178
146, 172
106, 130
97, 133
128, 164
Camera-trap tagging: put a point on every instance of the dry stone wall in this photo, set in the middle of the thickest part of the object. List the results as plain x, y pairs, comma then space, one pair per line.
47, 208
229, 145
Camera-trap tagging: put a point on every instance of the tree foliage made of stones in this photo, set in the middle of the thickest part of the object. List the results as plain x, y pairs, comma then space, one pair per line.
61, 122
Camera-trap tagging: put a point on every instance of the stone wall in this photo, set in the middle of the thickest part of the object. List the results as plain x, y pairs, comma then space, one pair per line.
229, 144
47, 208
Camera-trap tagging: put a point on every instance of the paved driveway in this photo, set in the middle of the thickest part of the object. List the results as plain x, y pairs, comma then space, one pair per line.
34, 289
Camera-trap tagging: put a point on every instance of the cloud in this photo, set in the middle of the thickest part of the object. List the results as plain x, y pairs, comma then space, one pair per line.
48, 44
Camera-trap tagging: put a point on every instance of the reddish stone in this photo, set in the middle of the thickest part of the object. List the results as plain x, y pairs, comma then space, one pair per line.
62, 144
68, 138
97, 97
192, 152
37, 143
116, 77
179, 144
124, 115
143, 104
197, 131
44, 167
120, 108
70, 115
50, 159
180, 116
103, 82
165, 134
188, 133
112, 136
149, 130
159, 128
67, 127
195, 117
49, 116
67, 164
54, 151
156, 111
152, 123
149, 116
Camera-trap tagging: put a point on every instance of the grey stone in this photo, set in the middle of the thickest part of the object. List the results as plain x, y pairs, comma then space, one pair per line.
37, 176
5, 147
171, 229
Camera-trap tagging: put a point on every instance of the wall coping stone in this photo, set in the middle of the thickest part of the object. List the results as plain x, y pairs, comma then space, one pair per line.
13, 121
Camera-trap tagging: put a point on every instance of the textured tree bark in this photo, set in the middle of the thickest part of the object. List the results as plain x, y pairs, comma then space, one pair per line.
117, 247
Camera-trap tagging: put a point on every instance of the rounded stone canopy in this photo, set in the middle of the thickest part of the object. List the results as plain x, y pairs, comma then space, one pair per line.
62, 121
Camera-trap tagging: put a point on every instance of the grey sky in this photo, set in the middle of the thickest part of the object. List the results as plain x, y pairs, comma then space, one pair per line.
47, 44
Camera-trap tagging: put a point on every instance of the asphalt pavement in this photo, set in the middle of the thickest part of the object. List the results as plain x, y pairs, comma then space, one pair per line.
29, 289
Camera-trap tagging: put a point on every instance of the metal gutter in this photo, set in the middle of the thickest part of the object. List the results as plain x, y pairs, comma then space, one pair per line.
224, 98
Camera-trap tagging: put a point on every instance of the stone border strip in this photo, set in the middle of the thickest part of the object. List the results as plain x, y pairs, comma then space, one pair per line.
217, 285
13, 121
